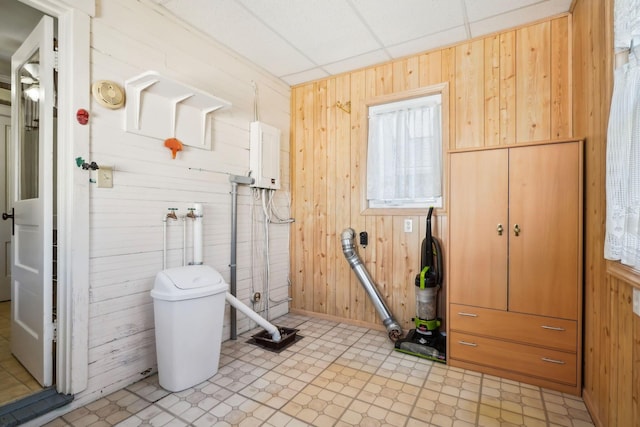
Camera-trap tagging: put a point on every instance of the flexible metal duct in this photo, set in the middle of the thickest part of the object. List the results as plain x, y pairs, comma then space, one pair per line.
393, 327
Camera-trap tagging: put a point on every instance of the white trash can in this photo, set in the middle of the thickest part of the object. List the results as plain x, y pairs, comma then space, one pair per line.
189, 310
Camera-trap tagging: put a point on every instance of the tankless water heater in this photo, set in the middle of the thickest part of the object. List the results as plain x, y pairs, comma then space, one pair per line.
264, 156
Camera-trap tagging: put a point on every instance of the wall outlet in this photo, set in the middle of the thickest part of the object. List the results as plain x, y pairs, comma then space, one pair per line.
636, 301
408, 225
105, 177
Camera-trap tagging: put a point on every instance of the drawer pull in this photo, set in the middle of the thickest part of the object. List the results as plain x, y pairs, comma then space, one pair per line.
557, 362
462, 313
470, 344
553, 328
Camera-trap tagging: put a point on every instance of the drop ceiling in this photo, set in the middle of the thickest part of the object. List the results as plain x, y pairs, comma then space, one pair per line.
303, 40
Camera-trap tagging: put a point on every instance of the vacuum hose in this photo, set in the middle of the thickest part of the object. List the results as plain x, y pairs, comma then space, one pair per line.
393, 327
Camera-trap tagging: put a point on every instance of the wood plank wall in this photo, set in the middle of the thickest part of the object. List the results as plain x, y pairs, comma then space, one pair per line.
611, 330
129, 38
505, 88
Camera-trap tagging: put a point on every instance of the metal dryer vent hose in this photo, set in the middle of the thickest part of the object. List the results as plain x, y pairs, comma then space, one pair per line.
393, 327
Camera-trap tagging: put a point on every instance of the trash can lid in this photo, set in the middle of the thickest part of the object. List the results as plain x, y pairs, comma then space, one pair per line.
193, 276
187, 282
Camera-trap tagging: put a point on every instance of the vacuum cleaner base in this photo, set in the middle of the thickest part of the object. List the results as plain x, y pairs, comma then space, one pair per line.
432, 347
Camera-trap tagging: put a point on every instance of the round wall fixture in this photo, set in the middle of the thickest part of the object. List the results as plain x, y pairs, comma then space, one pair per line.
108, 94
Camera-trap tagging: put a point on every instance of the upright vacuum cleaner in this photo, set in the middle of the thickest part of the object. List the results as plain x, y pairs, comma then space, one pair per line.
426, 340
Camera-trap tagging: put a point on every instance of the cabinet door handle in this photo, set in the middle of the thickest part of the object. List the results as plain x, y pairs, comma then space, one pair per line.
499, 229
552, 328
516, 230
470, 344
557, 362
462, 313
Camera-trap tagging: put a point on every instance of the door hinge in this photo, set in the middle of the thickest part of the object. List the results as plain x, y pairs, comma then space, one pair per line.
55, 60
54, 326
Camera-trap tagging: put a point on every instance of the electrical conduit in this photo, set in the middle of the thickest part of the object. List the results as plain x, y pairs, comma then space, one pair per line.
348, 248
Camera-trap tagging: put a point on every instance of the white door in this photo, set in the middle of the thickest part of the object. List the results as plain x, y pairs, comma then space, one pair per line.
5, 226
32, 100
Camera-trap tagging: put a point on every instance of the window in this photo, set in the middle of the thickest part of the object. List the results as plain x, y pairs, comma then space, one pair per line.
404, 153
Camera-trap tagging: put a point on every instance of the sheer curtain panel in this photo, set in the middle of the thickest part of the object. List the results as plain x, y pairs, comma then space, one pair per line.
404, 158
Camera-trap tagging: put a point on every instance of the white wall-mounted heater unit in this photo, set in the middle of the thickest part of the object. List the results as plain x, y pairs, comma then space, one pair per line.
264, 156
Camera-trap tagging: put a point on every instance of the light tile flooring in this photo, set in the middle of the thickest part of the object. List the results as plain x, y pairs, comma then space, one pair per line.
15, 381
337, 375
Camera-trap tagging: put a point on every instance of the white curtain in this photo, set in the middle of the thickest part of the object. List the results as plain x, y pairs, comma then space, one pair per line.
404, 158
622, 238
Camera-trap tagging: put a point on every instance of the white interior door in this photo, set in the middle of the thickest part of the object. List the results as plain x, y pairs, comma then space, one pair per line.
5, 203
32, 101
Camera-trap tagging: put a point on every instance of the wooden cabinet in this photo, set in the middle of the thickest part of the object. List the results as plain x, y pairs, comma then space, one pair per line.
515, 259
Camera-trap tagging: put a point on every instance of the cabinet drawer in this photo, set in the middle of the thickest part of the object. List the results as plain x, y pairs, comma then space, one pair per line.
542, 331
528, 360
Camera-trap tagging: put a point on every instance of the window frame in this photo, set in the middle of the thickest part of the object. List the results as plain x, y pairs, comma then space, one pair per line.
441, 89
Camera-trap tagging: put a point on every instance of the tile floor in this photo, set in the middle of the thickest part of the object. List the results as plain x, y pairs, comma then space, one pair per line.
337, 375
15, 381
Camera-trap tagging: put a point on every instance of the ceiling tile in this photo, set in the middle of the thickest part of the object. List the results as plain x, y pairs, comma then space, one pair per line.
443, 38
357, 62
305, 76
481, 9
325, 30
232, 25
409, 19
519, 17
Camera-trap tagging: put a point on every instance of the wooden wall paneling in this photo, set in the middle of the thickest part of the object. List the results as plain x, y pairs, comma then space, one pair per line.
507, 88
560, 79
333, 248
622, 355
469, 99
358, 132
343, 203
492, 91
297, 187
406, 74
533, 83
591, 62
482, 73
320, 283
306, 169
449, 74
382, 269
406, 260
430, 68
388, 82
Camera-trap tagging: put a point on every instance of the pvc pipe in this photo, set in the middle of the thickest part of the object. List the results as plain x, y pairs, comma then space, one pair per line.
164, 243
273, 330
184, 241
393, 327
197, 234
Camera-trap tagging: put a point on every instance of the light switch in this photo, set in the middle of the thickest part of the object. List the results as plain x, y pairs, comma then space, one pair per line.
636, 301
105, 177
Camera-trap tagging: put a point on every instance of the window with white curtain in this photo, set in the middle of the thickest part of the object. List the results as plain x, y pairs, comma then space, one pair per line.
622, 237
404, 153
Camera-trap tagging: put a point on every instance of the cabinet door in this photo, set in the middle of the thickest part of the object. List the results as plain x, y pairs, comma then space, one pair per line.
545, 203
478, 206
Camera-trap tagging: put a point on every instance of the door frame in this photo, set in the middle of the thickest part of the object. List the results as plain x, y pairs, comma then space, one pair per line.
74, 19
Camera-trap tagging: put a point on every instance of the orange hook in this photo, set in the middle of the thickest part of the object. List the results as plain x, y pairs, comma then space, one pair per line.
174, 145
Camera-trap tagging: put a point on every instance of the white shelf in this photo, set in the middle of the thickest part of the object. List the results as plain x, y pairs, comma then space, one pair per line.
162, 108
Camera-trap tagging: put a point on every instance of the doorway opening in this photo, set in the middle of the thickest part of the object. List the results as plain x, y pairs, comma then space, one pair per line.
16, 23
